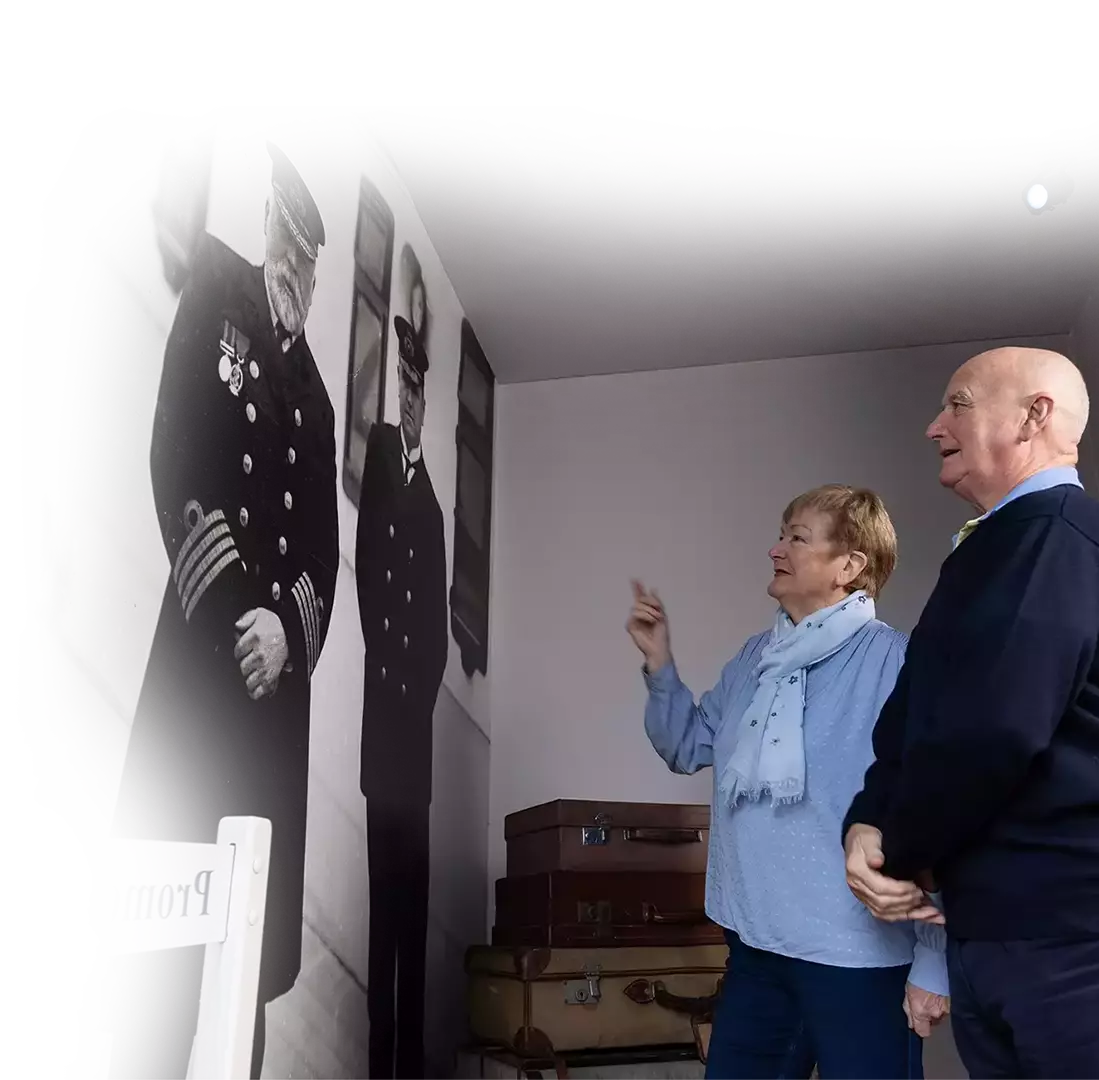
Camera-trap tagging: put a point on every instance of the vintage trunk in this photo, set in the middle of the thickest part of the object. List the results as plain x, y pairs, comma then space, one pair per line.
542, 1002
576, 834
577, 907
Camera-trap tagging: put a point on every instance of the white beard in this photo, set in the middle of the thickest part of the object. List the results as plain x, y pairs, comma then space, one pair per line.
285, 295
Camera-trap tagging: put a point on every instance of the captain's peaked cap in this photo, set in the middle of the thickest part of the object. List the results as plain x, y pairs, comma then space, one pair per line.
295, 203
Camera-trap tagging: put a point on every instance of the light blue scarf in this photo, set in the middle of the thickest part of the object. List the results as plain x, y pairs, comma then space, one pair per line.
769, 753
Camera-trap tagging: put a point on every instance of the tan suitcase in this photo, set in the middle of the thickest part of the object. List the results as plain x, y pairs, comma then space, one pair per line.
542, 1002
582, 834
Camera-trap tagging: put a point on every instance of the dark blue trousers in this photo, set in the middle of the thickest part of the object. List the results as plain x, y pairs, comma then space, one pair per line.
1025, 1008
777, 1016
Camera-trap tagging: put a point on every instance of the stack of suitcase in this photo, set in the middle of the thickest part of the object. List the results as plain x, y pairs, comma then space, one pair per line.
601, 940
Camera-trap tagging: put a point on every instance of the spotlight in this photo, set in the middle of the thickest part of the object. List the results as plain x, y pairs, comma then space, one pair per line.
1050, 189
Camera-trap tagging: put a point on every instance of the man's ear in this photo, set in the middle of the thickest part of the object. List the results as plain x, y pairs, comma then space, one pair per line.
1038, 416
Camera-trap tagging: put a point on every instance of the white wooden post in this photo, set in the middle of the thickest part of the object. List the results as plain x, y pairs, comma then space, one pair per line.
230, 974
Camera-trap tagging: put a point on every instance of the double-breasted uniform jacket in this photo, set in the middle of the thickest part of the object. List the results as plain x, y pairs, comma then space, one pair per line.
400, 573
244, 480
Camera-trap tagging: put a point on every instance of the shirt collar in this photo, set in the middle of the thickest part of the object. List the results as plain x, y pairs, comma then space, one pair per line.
412, 455
1040, 481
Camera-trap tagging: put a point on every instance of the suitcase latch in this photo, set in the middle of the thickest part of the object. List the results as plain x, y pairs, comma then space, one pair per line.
594, 834
584, 991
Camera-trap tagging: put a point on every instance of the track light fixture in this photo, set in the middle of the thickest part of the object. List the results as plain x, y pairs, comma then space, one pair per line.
1052, 186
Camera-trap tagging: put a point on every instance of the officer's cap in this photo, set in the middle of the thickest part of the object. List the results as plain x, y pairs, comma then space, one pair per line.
296, 204
412, 353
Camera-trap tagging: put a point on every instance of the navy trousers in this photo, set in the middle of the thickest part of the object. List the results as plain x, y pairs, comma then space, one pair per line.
777, 1016
1025, 1008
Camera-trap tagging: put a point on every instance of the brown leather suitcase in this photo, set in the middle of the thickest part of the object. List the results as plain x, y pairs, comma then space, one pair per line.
564, 908
545, 1002
578, 834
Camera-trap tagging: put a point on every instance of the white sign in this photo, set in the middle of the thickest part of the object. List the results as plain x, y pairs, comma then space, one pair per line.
164, 895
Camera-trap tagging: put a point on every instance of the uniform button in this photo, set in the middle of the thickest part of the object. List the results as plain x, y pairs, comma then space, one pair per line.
410, 554
403, 688
408, 597
250, 412
247, 464
288, 501
387, 623
291, 455
276, 592
244, 515
406, 641
244, 566
388, 576
297, 417
253, 369
282, 545
383, 673
390, 532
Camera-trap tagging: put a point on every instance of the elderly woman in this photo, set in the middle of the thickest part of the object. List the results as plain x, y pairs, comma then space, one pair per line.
812, 975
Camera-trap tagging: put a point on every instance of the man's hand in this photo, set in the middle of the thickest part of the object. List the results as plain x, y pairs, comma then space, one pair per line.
888, 899
261, 650
924, 1009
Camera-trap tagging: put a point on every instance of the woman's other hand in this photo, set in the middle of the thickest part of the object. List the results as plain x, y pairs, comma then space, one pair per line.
924, 1009
648, 626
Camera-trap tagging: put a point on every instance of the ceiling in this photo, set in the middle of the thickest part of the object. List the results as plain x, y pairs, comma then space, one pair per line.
584, 244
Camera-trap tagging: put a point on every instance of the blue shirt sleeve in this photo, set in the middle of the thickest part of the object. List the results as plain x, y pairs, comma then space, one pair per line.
1003, 694
929, 959
681, 731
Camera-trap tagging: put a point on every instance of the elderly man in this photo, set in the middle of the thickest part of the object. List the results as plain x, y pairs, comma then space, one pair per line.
986, 782
244, 481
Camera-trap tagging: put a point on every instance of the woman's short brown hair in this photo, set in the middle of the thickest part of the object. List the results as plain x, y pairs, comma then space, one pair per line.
860, 522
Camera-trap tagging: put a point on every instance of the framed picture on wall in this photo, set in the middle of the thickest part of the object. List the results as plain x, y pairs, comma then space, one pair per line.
369, 331
180, 204
473, 504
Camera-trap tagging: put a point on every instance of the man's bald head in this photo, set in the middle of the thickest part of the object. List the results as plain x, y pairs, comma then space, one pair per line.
1007, 414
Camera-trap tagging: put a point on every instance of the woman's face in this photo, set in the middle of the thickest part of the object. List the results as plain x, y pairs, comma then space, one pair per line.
809, 573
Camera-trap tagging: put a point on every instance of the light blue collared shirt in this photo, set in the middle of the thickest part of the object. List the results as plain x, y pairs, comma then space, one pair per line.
1040, 481
776, 875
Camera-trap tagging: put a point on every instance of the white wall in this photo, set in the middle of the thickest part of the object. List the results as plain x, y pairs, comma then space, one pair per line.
678, 477
1084, 349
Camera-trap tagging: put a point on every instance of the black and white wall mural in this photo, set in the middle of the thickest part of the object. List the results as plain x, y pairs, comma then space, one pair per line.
308, 600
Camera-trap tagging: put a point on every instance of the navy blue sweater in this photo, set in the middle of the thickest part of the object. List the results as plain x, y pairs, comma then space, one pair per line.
987, 769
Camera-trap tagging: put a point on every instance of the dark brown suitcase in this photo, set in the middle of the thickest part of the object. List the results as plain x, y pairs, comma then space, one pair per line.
566, 908
578, 834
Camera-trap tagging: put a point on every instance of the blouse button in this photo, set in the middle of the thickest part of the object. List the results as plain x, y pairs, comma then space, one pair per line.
297, 417
282, 545
291, 455
244, 515
276, 592
288, 501
253, 369
250, 412
247, 464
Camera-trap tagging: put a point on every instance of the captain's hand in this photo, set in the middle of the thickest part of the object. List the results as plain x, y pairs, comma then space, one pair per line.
261, 651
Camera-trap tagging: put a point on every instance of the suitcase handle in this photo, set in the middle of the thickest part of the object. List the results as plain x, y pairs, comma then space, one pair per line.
663, 836
651, 914
644, 992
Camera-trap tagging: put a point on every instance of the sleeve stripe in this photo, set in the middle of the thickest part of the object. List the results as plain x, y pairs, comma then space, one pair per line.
229, 557
307, 585
304, 610
195, 535
212, 565
186, 572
